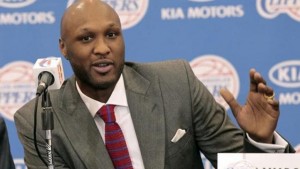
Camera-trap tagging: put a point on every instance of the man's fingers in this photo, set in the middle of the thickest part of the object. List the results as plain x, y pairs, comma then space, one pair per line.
255, 79
253, 84
230, 100
274, 104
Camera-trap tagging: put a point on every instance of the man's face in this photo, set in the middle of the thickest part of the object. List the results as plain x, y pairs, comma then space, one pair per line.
93, 43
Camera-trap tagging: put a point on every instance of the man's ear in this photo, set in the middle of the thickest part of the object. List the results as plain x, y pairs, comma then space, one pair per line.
63, 48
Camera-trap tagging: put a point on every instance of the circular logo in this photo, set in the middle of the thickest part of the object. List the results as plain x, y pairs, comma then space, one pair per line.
16, 87
215, 73
130, 12
270, 9
15, 3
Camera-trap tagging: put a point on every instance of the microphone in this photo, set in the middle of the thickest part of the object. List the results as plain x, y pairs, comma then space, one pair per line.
48, 73
45, 79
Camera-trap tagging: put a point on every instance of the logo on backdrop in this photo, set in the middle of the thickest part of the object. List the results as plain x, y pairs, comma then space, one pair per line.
201, 11
131, 12
15, 4
287, 74
17, 87
270, 9
24, 18
215, 72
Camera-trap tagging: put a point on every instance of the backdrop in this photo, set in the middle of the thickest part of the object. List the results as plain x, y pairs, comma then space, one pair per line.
222, 39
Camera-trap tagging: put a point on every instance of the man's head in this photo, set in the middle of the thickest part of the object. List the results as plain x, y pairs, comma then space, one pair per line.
92, 41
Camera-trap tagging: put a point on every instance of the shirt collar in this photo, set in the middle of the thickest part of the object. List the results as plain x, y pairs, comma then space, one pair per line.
118, 97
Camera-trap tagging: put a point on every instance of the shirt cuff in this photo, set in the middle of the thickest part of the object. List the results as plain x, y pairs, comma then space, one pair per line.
279, 145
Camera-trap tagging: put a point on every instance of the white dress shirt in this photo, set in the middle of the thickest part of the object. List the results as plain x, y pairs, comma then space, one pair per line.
123, 118
278, 147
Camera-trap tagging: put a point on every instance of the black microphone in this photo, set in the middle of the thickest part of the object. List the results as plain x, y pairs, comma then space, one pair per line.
45, 79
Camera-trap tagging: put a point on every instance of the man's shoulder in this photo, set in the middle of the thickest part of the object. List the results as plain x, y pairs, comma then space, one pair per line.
167, 71
156, 64
160, 67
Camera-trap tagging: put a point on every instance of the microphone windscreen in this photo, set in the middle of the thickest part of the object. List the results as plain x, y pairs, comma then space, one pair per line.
52, 65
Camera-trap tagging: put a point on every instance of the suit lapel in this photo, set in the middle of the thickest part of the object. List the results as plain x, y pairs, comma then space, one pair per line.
147, 113
81, 130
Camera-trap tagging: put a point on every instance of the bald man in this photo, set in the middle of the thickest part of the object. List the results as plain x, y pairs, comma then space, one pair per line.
166, 115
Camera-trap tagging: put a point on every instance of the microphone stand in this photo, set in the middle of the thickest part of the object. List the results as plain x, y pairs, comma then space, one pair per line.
48, 126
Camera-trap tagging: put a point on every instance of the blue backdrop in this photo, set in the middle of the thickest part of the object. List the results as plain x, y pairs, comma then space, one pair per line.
221, 39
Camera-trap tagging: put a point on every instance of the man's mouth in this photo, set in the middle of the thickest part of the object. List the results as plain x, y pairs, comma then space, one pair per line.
103, 67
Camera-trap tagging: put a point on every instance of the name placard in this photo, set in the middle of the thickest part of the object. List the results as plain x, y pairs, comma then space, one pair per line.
258, 161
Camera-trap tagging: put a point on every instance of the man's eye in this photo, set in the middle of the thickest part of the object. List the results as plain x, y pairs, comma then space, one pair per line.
111, 35
86, 38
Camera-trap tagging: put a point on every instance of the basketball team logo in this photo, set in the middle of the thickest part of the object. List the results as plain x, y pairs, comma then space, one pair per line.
270, 9
15, 3
17, 87
215, 73
131, 12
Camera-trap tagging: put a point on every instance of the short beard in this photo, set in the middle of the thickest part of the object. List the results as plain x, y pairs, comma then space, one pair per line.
81, 75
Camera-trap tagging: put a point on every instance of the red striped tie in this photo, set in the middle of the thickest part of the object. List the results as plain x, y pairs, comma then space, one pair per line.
114, 139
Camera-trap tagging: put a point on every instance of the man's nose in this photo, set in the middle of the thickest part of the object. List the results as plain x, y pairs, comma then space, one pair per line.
101, 47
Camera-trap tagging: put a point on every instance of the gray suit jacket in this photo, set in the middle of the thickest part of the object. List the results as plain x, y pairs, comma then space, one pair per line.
162, 98
6, 159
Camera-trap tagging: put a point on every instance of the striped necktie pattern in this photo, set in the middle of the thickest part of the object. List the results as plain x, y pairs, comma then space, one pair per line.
114, 139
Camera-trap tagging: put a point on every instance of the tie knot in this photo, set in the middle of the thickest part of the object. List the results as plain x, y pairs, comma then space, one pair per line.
107, 113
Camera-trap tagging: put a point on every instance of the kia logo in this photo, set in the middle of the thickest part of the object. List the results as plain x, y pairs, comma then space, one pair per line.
286, 74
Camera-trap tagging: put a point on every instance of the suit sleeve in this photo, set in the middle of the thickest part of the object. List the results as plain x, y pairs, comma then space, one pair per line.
214, 131
6, 160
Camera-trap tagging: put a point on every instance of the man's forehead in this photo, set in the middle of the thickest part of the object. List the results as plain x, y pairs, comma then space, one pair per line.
81, 13
86, 6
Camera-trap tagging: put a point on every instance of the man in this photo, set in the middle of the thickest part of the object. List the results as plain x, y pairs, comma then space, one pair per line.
166, 115
6, 160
